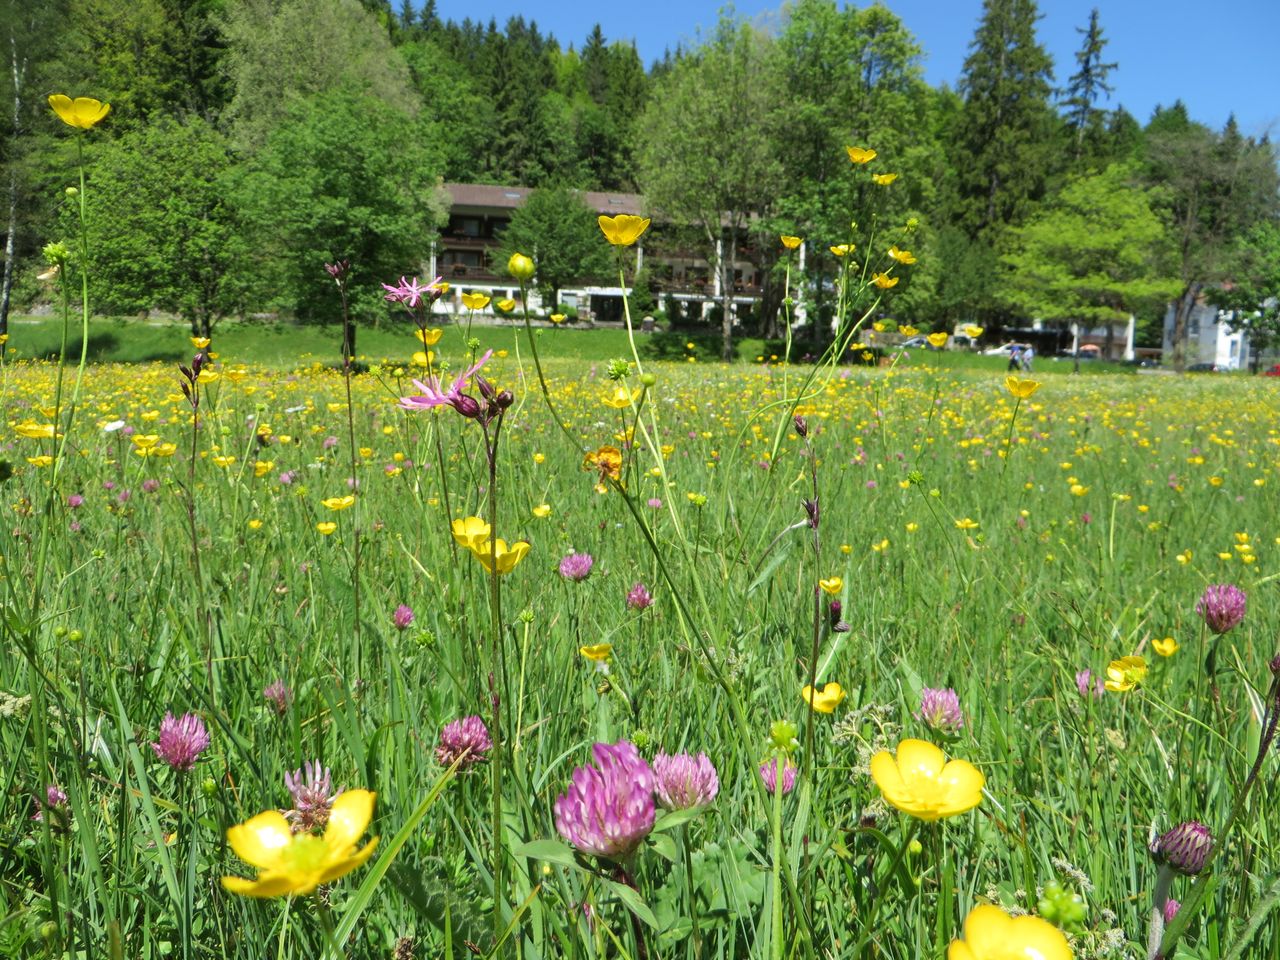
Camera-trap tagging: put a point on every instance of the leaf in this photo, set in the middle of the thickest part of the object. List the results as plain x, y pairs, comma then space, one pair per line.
664, 846
634, 902
676, 818
552, 851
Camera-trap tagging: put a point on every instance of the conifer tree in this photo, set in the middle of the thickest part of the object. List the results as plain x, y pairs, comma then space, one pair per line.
1004, 146
1085, 88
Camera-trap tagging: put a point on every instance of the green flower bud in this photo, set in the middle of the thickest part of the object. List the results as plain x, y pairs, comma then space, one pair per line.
75, 636
56, 253
782, 736
648, 379
520, 267
619, 369
209, 787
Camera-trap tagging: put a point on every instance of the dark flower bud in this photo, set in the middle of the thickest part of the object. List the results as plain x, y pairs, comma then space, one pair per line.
484, 386
1185, 848
338, 270
841, 627
186, 371
811, 511
467, 406
196, 363
504, 399
801, 425
1275, 665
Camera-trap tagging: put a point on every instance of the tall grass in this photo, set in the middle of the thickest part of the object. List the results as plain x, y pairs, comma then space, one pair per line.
1175, 487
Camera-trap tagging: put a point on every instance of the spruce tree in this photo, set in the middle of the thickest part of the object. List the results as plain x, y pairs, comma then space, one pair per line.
1085, 88
1004, 146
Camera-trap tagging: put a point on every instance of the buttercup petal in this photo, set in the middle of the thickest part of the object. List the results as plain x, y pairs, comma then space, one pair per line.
919, 758
987, 929
267, 885
1038, 939
348, 819
885, 772
260, 840
347, 864
959, 950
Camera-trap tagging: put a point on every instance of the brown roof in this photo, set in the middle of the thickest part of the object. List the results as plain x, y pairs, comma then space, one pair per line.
509, 198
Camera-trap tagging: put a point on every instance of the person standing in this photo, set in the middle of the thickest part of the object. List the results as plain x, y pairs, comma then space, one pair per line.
1015, 356
1028, 354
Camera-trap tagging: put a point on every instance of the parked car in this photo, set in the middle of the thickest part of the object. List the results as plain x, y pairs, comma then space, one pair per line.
1273, 372
918, 343
1205, 367
1004, 348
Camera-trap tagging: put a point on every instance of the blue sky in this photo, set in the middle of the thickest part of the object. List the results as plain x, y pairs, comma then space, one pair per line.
1217, 57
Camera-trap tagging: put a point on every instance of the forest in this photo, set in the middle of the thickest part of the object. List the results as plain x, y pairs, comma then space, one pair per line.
251, 141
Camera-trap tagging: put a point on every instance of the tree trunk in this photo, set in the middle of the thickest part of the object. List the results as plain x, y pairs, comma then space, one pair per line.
19, 69
726, 297
1181, 315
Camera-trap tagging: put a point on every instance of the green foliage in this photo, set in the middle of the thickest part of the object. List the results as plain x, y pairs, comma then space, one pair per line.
1096, 252
163, 233
558, 230
282, 52
1086, 122
1254, 291
345, 177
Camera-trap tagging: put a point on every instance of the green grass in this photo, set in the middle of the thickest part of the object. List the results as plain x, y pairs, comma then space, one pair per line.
191, 584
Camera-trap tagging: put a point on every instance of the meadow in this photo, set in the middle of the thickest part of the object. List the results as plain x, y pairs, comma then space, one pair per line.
790, 570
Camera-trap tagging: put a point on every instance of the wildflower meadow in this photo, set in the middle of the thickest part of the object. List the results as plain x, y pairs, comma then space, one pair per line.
493, 653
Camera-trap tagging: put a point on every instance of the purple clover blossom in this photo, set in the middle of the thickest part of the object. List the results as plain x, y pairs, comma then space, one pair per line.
1089, 685
769, 774
182, 740
150, 485
639, 597
75, 500
467, 739
1222, 605
55, 802
402, 617
940, 710
433, 395
279, 696
608, 809
312, 790
683, 781
576, 567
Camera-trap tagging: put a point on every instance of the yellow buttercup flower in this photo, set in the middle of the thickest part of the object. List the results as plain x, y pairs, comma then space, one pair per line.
902, 256
621, 398
791, 242
884, 179
542, 511
424, 358
597, 652
429, 337
907, 330
291, 863
200, 343
624, 229
824, 700
34, 431
43, 460
224, 462
1020, 388
920, 781
937, 340
557, 318
972, 331
496, 553
966, 524
262, 467
991, 934
831, 585
326, 527
475, 301
506, 306
607, 460
843, 249
470, 532
1125, 674
339, 503
255, 524
884, 281
82, 112
1166, 647
860, 155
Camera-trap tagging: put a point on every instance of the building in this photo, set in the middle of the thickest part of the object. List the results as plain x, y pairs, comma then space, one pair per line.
1210, 338
478, 213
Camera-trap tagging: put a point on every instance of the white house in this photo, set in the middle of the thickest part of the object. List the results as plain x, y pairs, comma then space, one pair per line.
1209, 337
